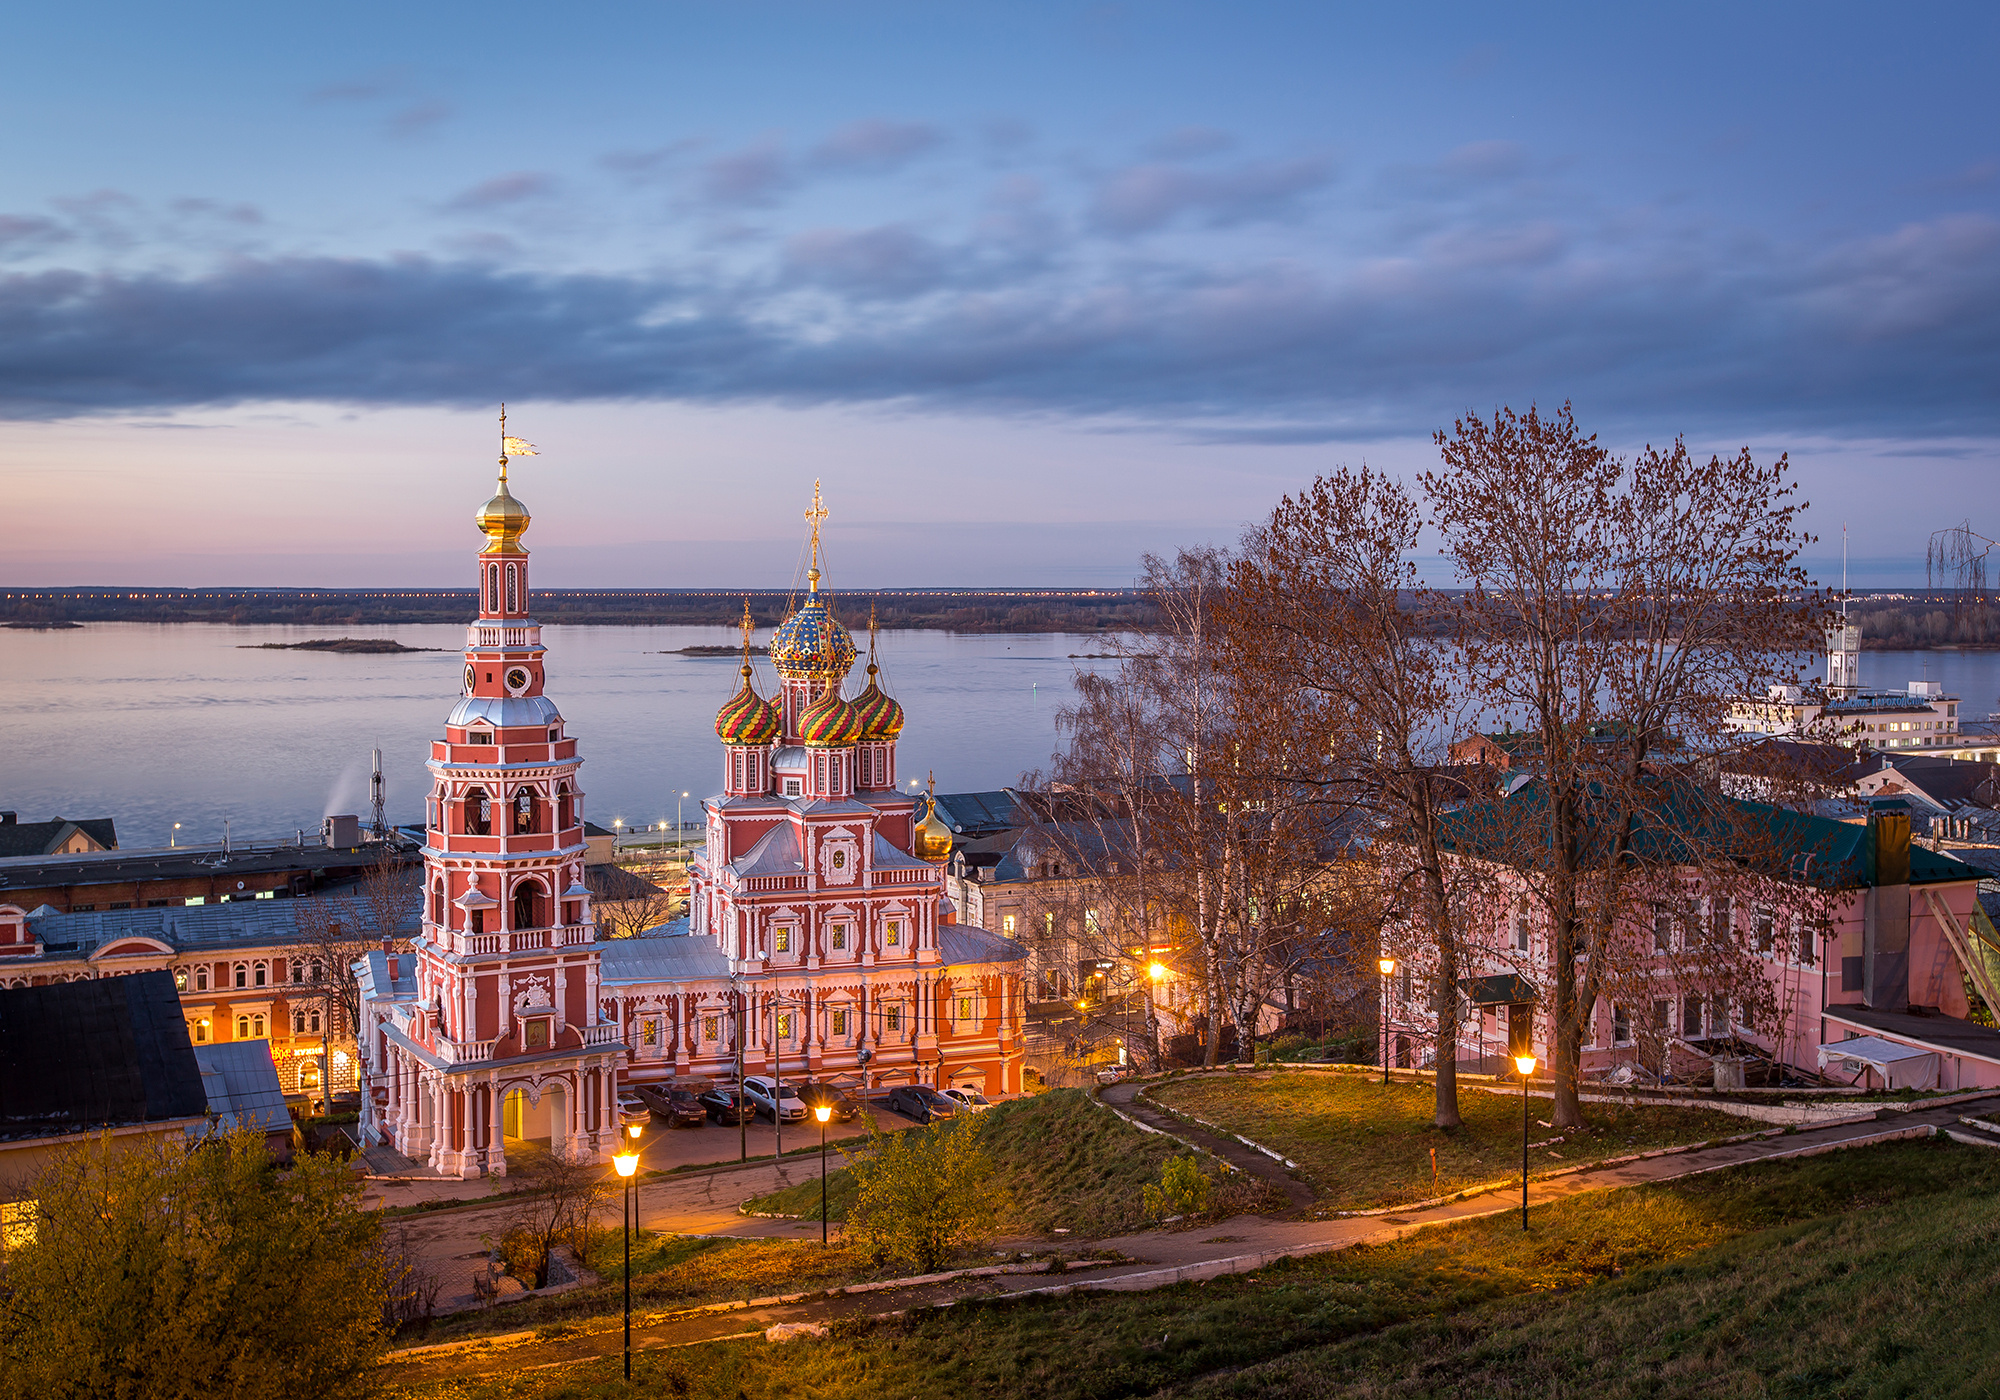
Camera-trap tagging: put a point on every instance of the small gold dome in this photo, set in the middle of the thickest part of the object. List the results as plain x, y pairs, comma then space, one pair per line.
503, 520
933, 841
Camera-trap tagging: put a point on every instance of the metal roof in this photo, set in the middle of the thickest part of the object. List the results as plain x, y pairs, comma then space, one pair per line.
241, 1081
100, 1053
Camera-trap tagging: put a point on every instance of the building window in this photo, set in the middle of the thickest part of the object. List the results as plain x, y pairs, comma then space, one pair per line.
1691, 1018
262, 973
791, 787
180, 979
785, 1025
839, 936
892, 1018
782, 940
201, 979
1764, 924
1409, 984
513, 588
298, 970
965, 1008
242, 975
840, 1023
201, 1032
711, 1028
1663, 931
649, 1032
1621, 1025
1663, 1015
1049, 925
894, 937
1006, 923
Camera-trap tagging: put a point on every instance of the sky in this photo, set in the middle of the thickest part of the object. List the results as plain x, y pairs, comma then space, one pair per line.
1032, 288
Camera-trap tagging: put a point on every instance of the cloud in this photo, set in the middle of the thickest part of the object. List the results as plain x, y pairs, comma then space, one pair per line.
417, 118
29, 233
1189, 143
501, 191
366, 88
753, 176
1892, 334
1142, 198
245, 214
653, 160
874, 147
890, 262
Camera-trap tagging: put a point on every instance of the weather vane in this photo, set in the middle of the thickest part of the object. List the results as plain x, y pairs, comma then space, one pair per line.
511, 446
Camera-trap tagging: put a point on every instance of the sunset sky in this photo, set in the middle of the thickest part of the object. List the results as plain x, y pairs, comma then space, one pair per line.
1033, 288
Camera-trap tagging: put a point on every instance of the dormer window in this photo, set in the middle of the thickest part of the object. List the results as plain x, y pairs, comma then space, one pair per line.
478, 736
554, 735
791, 787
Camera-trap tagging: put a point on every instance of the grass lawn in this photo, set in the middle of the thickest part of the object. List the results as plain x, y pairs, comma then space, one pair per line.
1857, 1273
1062, 1162
1362, 1145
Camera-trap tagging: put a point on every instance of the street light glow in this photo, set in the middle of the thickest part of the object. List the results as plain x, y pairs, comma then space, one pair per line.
1525, 1064
824, 1113
1387, 966
1158, 972
626, 1162
634, 1129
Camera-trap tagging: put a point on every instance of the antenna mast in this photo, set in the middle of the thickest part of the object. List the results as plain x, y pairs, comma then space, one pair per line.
381, 824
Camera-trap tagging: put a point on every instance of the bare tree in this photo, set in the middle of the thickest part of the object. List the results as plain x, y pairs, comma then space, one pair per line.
335, 931
1618, 612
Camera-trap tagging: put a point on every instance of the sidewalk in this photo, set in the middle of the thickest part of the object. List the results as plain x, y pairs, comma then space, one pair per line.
1163, 1258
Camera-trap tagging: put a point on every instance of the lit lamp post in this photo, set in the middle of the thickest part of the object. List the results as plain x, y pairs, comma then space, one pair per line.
679, 826
1525, 1064
617, 831
1158, 972
1387, 967
174, 840
627, 1163
823, 1113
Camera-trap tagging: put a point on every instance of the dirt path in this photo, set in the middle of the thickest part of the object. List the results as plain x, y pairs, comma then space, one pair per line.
1125, 1098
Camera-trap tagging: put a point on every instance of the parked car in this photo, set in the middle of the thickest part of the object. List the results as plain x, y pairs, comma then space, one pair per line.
846, 1108
676, 1107
971, 1100
632, 1109
921, 1102
723, 1105
769, 1099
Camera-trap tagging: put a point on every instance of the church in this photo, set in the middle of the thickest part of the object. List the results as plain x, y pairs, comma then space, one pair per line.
818, 941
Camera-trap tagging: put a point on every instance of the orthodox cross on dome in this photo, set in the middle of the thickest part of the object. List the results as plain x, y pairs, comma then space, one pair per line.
815, 515
511, 446
747, 625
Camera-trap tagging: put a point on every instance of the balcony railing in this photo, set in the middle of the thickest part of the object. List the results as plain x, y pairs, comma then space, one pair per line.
524, 940
605, 1033
503, 635
464, 1052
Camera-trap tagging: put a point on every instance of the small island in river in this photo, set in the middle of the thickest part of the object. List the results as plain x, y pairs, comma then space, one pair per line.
716, 651
360, 645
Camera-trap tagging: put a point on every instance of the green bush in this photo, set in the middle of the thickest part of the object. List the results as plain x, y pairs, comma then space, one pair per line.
1184, 1190
922, 1197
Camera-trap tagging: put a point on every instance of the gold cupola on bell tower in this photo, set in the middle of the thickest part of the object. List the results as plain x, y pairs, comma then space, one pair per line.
503, 520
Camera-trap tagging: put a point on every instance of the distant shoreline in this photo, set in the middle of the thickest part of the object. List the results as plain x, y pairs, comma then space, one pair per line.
353, 646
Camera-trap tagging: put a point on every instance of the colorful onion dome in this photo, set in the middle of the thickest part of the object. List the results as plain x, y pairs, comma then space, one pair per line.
503, 520
747, 719
812, 645
829, 722
881, 717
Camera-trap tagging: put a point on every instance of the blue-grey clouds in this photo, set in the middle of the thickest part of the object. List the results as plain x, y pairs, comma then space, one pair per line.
1892, 332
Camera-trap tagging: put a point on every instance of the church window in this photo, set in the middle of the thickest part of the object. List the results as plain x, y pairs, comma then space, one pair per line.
840, 1023
536, 1033
1006, 923
784, 940
526, 912
478, 810
839, 936
894, 936
892, 1018
492, 588
524, 812
785, 1026
437, 903
965, 1008
553, 734
565, 817
649, 1032
711, 1028
513, 579
479, 921
1049, 925
791, 787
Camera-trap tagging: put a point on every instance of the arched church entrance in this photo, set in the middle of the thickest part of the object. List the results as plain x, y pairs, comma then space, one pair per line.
540, 1121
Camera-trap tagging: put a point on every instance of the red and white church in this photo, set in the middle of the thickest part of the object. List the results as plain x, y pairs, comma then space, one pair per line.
818, 941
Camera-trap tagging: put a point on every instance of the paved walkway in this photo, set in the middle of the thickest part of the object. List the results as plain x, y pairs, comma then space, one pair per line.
702, 1205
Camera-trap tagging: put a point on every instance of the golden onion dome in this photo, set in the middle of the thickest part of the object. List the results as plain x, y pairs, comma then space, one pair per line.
933, 840
503, 520
881, 717
829, 722
747, 719
812, 645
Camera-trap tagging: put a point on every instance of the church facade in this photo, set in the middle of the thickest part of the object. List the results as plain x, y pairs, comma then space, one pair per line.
817, 942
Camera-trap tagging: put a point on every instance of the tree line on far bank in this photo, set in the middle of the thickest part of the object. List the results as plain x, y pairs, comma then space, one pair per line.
1266, 782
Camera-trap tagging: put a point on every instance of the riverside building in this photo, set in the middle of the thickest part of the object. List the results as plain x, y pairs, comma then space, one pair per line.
814, 943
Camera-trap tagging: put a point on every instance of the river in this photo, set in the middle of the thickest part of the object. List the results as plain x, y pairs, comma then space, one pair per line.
193, 723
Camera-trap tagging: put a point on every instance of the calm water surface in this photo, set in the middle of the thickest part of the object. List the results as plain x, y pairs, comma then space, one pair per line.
154, 725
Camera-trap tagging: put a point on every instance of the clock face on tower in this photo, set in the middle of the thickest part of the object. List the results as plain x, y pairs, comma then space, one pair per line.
517, 679
468, 680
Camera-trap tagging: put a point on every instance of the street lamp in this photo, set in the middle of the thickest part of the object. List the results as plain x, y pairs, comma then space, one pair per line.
1157, 971
1387, 967
679, 825
627, 1163
1525, 1064
823, 1113
174, 840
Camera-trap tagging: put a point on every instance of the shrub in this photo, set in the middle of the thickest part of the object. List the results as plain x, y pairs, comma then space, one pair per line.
1184, 1189
921, 1196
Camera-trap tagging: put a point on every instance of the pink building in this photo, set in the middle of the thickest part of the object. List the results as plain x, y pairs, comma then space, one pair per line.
1876, 996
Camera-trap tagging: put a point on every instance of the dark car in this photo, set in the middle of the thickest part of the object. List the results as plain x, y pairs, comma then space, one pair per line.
723, 1106
677, 1108
845, 1107
921, 1103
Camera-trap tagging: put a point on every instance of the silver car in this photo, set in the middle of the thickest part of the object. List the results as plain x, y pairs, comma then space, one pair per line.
778, 1102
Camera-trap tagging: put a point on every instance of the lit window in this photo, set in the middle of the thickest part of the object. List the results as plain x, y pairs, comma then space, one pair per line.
784, 940
840, 1023
1006, 923
711, 1028
894, 937
965, 1008
201, 1032
785, 1026
893, 1018
649, 1032
180, 979
839, 936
